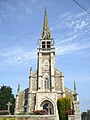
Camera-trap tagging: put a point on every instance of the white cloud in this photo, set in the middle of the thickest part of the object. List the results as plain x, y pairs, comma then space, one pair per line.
70, 48
70, 39
74, 37
72, 21
15, 9
85, 104
73, 33
17, 56
65, 49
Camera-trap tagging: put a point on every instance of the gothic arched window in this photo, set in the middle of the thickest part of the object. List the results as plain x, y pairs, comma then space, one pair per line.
47, 83
25, 105
48, 106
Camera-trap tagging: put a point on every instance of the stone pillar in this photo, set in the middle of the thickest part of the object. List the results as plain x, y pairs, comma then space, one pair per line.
17, 98
16, 105
76, 104
30, 80
28, 106
56, 110
39, 71
52, 71
30, 90
77, 110
62, 84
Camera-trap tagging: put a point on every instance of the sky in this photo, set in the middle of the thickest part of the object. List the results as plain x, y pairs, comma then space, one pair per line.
21, 23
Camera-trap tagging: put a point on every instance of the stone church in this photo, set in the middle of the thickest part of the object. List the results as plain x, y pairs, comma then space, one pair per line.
46, 84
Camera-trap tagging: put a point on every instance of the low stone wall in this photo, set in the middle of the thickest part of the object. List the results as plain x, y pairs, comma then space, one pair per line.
71, 117
28, 117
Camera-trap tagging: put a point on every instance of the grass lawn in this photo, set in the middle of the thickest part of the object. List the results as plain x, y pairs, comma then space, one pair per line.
8, 118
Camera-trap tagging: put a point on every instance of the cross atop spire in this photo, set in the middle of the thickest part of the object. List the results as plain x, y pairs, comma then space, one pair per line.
46, 34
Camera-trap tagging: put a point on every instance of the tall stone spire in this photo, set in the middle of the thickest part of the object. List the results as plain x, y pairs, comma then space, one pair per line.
46, 34
45, 25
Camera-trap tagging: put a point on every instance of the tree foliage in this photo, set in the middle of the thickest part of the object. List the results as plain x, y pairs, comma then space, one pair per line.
5, 97
83, 115
63, 104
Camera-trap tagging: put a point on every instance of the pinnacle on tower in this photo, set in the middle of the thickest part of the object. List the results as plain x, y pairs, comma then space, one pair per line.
18, 90
46, 34
75, 93
74, 87
30, 69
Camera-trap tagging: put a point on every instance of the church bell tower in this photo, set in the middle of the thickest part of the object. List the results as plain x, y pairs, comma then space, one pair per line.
46, 59
46, 84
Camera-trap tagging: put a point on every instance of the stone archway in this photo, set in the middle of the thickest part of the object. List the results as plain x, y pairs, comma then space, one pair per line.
48, 106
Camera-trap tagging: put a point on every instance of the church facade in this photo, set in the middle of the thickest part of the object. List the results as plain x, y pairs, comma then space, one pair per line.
46, 84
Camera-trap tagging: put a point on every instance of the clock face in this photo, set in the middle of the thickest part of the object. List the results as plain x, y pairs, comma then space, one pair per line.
46, 65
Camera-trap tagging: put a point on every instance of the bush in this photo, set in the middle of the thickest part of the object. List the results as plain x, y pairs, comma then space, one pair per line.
70, 112
63, 104
40, 112
37, 112
31, 113
4, 112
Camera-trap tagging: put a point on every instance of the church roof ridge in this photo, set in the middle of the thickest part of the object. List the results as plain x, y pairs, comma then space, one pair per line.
69, 90
24, 90
60, 72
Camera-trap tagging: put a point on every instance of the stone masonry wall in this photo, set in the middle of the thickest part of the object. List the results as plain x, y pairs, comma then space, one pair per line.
28, 117
71, 117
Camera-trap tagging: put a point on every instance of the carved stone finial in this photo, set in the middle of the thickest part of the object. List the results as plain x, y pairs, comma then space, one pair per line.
61, 74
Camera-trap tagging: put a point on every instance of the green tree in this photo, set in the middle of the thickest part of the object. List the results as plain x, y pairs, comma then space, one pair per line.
83, 115
63, 104
5, 97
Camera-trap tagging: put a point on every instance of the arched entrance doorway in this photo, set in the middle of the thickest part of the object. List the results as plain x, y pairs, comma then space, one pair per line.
48, 106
